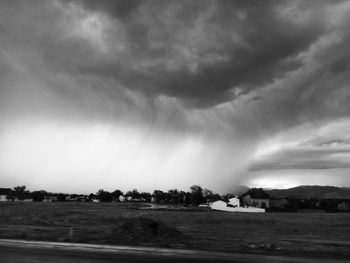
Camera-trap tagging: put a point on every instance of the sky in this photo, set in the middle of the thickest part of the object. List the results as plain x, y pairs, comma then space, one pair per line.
167, 94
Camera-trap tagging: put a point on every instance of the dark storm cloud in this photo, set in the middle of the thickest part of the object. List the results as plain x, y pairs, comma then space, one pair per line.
122, 9
196, 51
236, 45
113, 58
304, 159
203, 53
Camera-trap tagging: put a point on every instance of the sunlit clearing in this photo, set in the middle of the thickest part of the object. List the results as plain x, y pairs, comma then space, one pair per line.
273, 182
286, 178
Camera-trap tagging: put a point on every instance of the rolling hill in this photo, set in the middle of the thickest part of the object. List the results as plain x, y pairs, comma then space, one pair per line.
312, 191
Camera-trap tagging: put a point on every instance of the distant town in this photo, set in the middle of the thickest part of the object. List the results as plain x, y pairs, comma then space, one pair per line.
301, 198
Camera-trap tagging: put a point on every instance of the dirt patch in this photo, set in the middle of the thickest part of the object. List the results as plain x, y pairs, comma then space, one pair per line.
144, 230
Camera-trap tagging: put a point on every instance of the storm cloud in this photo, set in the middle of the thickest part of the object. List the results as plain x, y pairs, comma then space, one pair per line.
182, 82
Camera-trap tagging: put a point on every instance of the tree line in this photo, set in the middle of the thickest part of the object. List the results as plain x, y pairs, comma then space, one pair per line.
195, 196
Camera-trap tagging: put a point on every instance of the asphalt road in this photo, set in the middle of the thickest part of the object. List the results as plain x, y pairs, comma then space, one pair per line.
51, 252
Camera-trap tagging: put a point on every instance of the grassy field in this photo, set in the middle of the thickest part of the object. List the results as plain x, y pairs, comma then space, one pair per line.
324, 234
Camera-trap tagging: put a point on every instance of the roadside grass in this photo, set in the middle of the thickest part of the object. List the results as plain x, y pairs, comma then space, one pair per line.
204, 229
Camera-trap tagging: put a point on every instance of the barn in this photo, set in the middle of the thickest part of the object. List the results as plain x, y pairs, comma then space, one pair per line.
256, 197
218, 205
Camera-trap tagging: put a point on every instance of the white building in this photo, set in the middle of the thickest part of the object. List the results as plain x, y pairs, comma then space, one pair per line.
233, 207
234, 201
218, 205
3, 198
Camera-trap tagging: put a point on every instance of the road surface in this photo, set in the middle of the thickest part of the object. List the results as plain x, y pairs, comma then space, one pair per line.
18, 251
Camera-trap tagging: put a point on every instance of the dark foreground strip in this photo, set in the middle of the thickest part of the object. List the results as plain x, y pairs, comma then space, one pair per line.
19, 251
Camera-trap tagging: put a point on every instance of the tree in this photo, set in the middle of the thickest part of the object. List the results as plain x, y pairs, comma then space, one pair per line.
174, 196
159, 196
91, 196
196, 195
20, 192
61, 197
19, 189
210, 196
38, 196
116, 193
187, 199
182, 197
146, 196
104, 196
134, 194
10, 196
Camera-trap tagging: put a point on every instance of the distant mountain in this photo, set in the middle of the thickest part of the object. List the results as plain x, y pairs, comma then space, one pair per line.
312, 191
239, 190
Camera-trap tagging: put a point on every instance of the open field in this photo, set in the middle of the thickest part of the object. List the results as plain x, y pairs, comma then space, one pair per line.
325, 234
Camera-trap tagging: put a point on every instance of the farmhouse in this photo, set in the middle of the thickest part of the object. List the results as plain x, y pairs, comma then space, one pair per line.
219, 205
256, 197
233, 202
3, 194
233, 207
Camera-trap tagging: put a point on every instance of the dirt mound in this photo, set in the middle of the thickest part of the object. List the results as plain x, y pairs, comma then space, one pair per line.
144, 230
